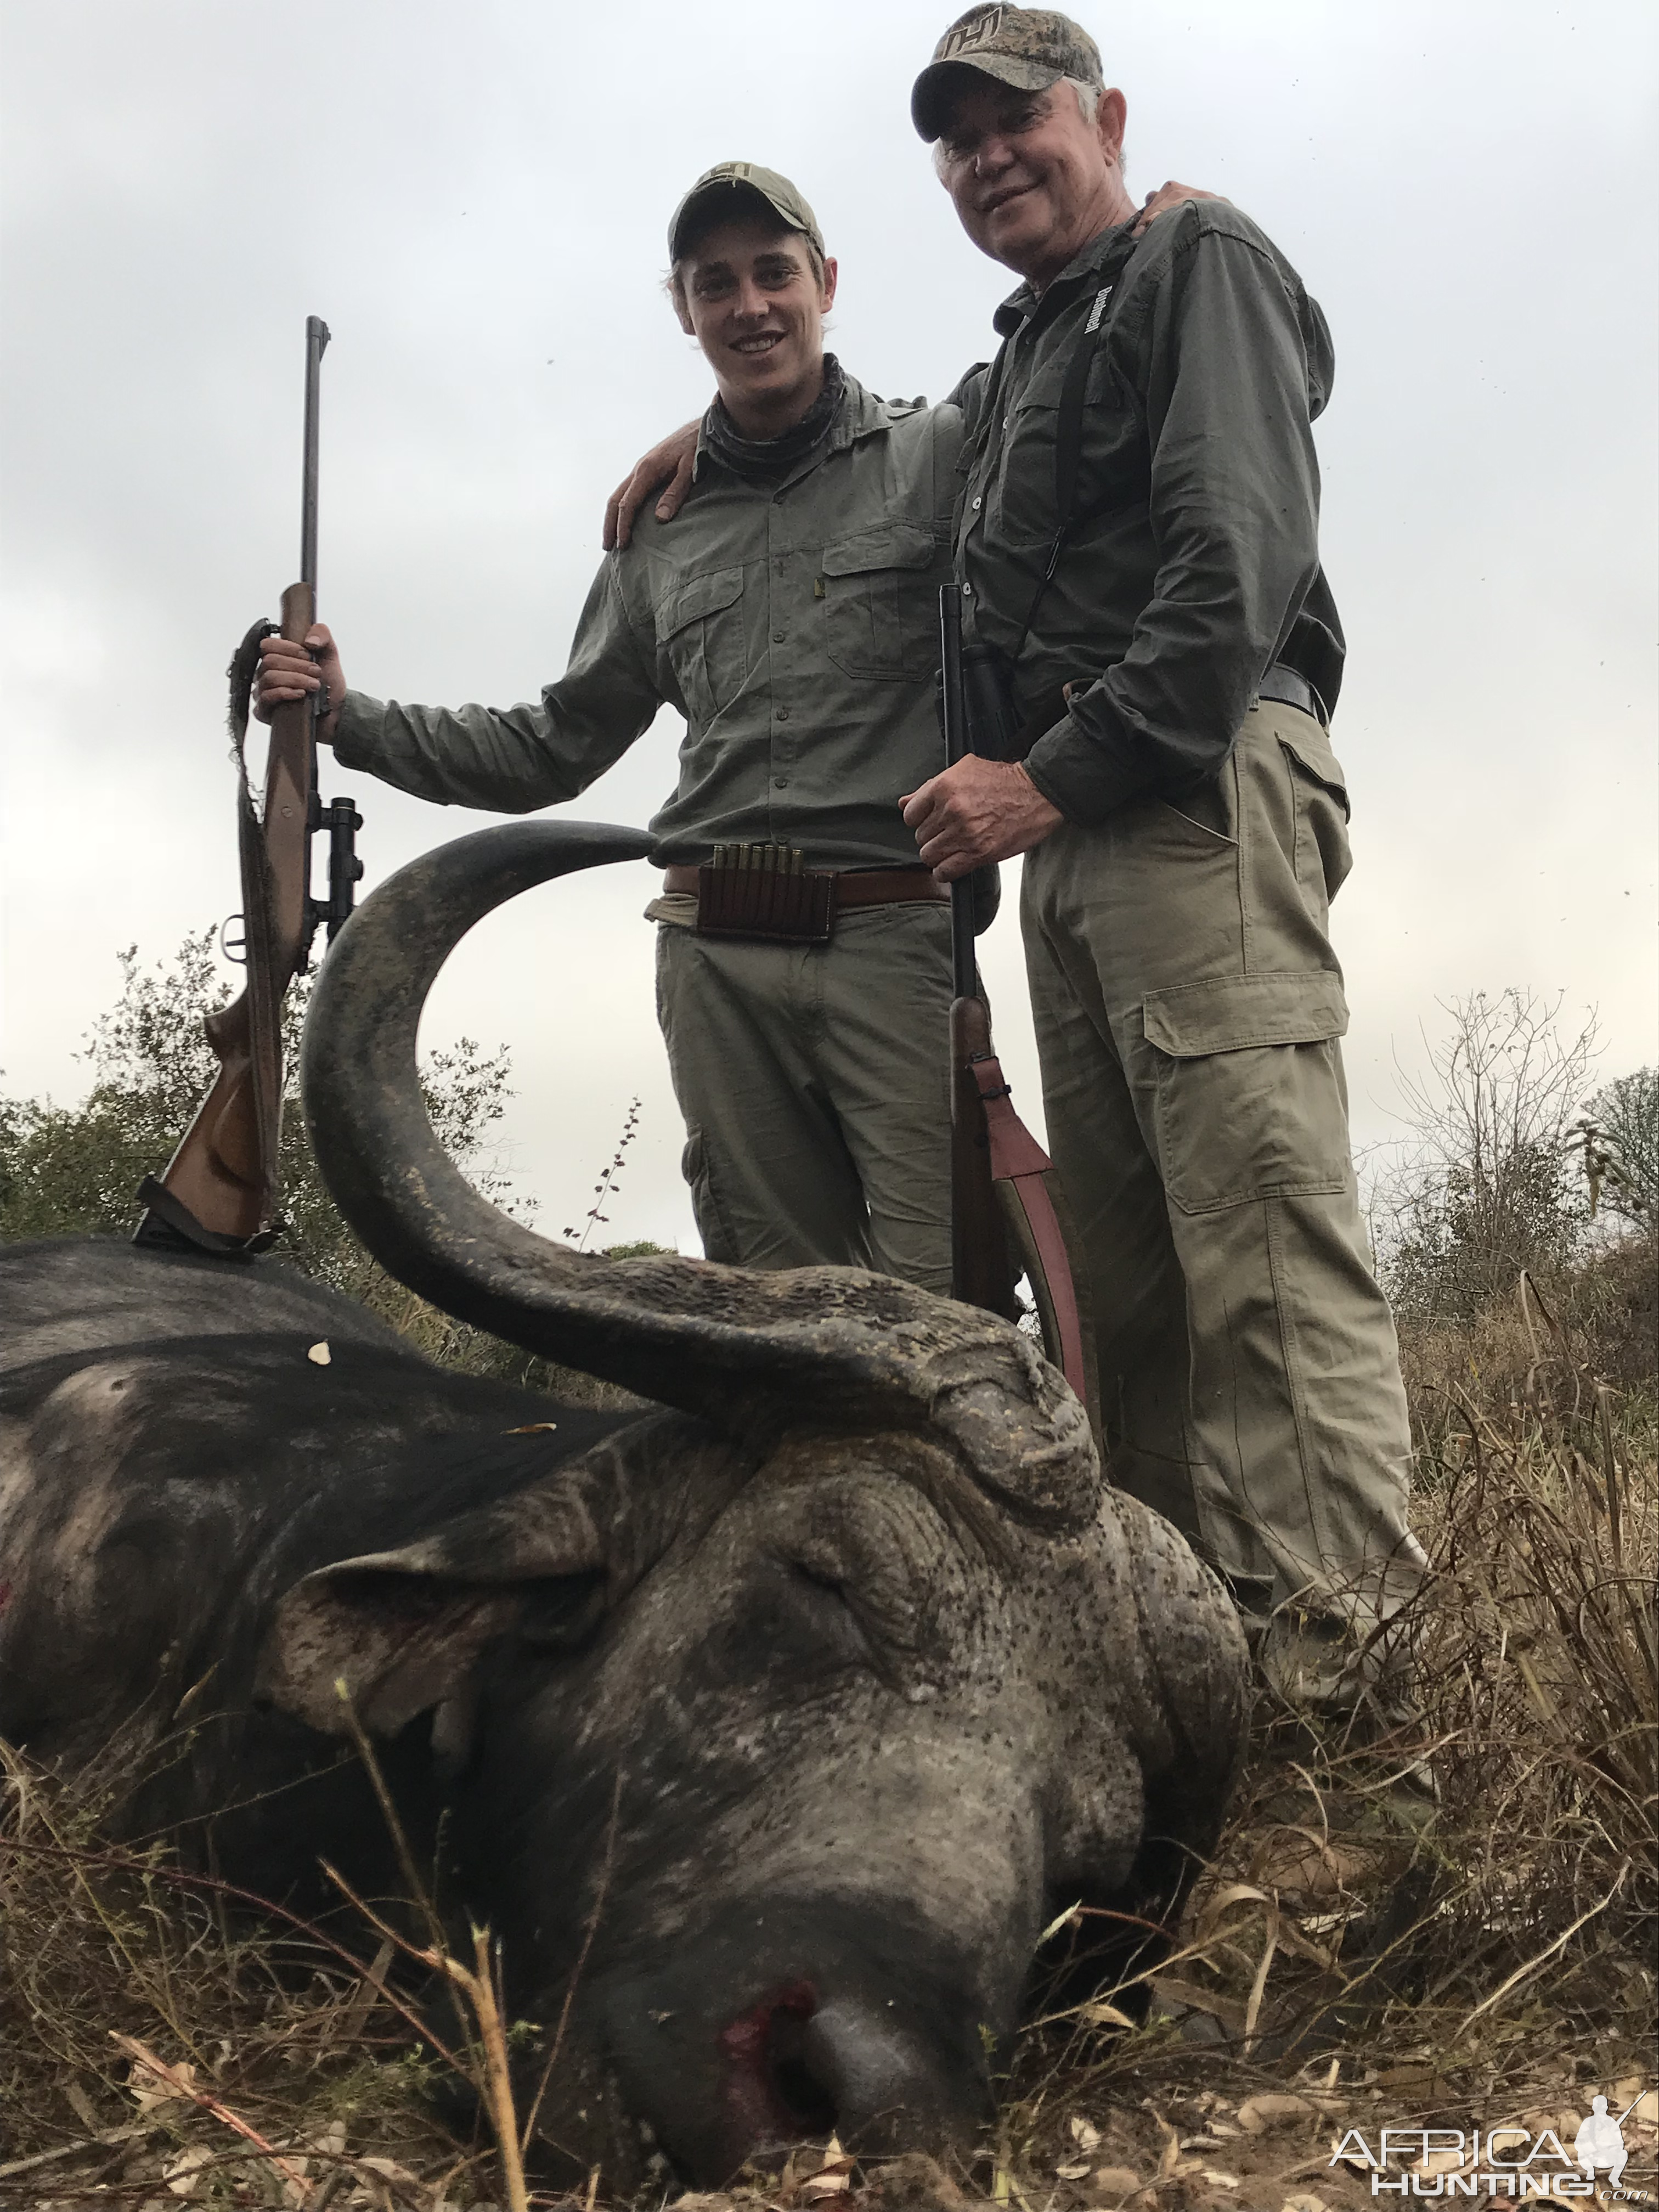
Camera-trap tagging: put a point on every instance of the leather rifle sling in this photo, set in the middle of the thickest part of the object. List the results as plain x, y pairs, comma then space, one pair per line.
1020, 1165
218, 1193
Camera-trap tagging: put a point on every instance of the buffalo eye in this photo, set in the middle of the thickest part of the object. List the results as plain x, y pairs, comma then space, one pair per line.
806, 1603
820, 1578
865, 1596
823, 1590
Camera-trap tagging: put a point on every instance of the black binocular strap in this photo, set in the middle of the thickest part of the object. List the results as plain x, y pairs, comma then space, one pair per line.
1068, 449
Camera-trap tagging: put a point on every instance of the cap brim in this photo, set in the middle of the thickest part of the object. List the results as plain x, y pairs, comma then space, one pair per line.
941, 84
743, 188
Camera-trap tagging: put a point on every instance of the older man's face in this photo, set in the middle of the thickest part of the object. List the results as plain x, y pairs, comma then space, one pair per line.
1033, 179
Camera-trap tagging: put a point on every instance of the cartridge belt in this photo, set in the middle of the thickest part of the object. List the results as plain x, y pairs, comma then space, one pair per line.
854, 887
767, 892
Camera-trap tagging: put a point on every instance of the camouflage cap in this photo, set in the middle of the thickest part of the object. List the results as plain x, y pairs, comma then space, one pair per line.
739, 181
1029, 48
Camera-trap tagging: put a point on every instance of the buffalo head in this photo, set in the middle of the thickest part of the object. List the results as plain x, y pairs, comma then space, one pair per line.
794, 1714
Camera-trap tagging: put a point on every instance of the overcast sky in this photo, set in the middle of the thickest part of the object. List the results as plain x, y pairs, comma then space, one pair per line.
475, 199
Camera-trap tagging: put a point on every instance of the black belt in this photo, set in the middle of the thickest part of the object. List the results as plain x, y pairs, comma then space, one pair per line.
1291, 689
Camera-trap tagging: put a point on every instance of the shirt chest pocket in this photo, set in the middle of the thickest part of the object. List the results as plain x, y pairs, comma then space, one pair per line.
880, 594
1113, 461
699, 626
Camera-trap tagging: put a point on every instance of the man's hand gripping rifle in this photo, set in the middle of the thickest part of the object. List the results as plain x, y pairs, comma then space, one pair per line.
1003, 1192
219, 1192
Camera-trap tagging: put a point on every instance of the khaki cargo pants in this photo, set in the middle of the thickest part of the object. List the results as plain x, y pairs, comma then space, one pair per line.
815, 1083
1188, 1007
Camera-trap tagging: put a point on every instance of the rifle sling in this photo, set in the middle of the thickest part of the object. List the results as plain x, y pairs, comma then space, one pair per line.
1018, 1161
185, 1233
215, 1161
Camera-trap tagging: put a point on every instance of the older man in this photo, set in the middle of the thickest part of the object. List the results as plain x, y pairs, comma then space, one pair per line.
803, 985
1138, 545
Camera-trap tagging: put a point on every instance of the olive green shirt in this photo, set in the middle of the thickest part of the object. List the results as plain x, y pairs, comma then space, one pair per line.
1192, 562
793, 624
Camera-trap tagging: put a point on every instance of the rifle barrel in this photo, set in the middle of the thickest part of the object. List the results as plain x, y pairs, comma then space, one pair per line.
317, 335
949, 644
964, 972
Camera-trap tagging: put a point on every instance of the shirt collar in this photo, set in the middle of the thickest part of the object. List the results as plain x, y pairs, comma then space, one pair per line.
1019, 307
862, 415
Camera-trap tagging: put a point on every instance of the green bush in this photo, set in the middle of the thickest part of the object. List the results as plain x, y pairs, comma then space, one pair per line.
75, 1170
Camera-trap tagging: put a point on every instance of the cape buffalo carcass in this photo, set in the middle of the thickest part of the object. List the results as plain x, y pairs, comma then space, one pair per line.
837, 1670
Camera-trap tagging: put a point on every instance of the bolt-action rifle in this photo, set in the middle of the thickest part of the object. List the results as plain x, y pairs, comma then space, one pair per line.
1004, 1220
219, 1191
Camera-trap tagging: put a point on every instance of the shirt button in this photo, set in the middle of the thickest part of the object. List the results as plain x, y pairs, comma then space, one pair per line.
1004, 421
966, 590
979, 503
783, 714
780, 783
778, 636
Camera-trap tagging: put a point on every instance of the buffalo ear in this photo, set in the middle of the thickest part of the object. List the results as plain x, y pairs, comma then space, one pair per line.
390, 1640
401, 1632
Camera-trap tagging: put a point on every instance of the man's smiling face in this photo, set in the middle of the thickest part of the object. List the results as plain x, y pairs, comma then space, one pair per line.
748, 291
1032, 178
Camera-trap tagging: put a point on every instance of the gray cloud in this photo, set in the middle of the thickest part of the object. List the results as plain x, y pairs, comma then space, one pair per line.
476, 201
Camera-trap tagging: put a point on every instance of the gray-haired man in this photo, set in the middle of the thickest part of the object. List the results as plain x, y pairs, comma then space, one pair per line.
1139, 544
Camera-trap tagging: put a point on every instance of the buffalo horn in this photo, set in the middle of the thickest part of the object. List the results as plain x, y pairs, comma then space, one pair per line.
754, 1353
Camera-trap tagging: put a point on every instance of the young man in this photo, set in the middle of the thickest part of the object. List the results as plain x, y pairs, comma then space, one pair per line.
791, 616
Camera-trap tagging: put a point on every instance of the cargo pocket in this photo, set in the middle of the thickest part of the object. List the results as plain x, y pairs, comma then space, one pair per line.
699, 626
717, 1243
880, 594
1322, 857
1249, 1099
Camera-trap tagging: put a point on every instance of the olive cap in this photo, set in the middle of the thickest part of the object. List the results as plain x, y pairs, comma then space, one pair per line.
1029, 48
738, 181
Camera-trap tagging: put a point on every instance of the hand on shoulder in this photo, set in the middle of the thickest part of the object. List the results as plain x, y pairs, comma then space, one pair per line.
1166, 199
668, 465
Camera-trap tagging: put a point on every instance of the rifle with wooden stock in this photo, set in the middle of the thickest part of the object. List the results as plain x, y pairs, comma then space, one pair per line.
1003, 1217
219, 1192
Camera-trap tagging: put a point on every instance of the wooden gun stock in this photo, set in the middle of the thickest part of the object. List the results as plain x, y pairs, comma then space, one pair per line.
218, 1193
982, 1266
1006, 1200
291, 805
1008, 1208
223, 1175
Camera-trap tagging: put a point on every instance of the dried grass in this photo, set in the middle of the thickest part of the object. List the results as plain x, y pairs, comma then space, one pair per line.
148, 2018
1346, 1961
1336, 1967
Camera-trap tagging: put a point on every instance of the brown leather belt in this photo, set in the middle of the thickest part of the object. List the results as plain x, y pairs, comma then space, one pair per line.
855, 887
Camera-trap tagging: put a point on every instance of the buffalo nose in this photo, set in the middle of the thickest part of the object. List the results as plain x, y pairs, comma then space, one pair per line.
872, 2076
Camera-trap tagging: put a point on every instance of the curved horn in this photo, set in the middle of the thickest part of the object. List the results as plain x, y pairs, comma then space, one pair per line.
748, 1351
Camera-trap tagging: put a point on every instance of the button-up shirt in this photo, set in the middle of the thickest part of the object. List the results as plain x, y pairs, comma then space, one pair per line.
1192, 562
793, 624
